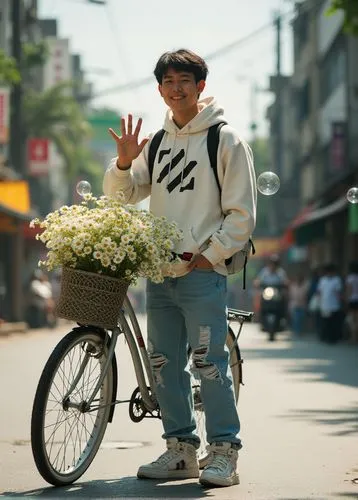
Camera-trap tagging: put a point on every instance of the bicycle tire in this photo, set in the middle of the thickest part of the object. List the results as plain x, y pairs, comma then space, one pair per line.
235, 365
59, 433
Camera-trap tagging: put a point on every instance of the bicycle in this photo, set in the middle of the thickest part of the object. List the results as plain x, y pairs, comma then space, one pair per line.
78, 387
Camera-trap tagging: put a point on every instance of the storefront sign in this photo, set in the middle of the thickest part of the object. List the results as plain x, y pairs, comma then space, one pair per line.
38, 156
4, 115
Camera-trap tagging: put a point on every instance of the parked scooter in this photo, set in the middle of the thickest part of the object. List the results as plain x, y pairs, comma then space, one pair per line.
272, 309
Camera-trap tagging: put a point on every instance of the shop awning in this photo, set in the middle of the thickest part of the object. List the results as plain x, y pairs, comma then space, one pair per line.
323, 212
303, 215
4, 210
14, 205
308, 222
314, 227
15, 198
288, 238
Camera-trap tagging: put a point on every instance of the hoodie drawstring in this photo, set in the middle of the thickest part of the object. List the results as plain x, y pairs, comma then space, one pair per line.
185, 156
171, 158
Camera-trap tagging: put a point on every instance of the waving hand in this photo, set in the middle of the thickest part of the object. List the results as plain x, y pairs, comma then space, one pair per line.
128, 147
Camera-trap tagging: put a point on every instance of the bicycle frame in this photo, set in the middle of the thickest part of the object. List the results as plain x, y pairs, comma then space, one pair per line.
140, 360
133, 344
139, 356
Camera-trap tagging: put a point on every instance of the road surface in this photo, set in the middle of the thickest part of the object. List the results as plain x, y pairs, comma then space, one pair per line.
298, 408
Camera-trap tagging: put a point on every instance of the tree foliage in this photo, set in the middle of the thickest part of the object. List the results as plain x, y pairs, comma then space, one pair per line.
34, 54
9, 74
350, 10
56, 115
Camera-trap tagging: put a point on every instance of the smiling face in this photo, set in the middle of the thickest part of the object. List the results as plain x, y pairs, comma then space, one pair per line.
181, 92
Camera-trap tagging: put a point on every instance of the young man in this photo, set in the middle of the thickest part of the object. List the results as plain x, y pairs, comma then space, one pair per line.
191, 308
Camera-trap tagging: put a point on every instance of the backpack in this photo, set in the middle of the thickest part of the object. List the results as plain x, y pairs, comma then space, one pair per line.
239, 260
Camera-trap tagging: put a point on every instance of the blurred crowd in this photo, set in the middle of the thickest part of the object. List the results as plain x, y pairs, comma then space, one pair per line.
322, 302
329, 302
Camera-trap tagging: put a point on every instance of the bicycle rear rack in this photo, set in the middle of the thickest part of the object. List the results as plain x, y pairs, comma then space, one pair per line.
239, 315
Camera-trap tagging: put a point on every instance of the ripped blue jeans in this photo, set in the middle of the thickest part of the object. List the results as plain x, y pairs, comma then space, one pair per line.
191, 311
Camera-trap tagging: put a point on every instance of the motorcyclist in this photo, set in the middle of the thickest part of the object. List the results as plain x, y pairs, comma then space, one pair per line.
273, 275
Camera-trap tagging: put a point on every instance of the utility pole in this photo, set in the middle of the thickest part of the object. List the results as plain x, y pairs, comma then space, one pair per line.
16, 150
278, 96
278, 121
253, 111
16, 122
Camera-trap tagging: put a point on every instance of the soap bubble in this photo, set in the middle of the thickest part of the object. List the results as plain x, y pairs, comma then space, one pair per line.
268, 183
352, 195
83, 188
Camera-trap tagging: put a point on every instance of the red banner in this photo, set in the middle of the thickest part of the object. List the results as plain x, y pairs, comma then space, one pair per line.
38, 154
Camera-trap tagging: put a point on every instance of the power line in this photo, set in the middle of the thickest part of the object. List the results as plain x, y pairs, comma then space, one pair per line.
213, 55
117, 42
125, 63
233, 45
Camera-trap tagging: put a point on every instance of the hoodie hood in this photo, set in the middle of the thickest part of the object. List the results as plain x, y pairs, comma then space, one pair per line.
210, 113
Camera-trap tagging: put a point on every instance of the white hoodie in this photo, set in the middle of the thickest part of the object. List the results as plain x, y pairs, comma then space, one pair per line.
184, 188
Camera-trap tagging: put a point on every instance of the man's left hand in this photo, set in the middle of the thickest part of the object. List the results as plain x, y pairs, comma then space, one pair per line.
200, 262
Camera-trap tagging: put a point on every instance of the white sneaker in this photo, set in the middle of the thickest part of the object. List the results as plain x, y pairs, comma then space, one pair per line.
178, 462
221, 470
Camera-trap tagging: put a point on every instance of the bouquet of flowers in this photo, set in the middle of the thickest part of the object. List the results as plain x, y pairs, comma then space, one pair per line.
102, 244
101, 235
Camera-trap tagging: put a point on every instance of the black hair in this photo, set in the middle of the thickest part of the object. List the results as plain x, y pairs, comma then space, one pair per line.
331, 267
181, 60
353, 267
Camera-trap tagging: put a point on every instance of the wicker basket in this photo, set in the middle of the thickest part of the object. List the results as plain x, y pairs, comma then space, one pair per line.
90, 298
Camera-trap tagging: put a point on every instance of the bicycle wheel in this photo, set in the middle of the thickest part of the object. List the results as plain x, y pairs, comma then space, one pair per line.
65, 435
235, 364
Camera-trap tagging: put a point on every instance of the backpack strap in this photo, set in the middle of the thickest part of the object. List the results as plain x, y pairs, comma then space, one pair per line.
253, 251
153, 149
213, 145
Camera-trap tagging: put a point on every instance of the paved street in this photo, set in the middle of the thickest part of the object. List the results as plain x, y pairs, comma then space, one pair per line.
299, 413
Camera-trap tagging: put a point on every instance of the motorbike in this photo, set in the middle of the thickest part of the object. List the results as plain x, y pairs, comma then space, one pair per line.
272, 309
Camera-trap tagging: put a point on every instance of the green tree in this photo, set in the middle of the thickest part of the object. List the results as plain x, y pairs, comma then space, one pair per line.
350, 10
53, 114
33, 55
56, 115
9, 74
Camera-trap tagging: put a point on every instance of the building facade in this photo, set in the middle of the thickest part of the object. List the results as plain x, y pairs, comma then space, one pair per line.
324, 103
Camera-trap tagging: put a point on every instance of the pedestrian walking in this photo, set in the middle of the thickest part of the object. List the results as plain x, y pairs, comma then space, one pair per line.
297, 303
313, 309
330, 290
